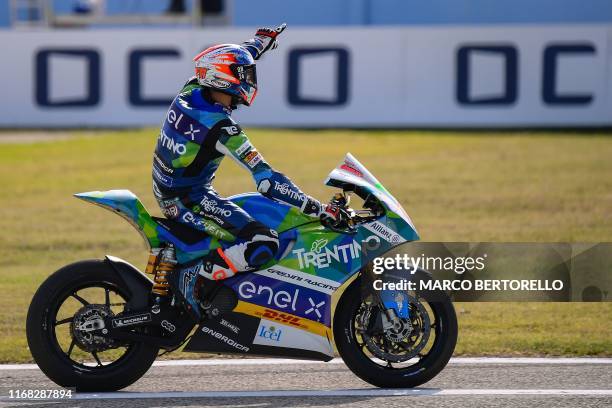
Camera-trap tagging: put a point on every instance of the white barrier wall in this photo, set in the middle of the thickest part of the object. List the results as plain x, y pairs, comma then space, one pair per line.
500, 76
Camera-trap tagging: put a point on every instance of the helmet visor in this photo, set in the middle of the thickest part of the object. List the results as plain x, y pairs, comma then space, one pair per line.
246, 74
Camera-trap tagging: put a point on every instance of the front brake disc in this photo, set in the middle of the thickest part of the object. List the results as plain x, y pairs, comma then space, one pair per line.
400, 344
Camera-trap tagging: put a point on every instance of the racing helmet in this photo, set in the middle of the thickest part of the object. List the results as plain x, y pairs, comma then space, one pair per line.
228, 68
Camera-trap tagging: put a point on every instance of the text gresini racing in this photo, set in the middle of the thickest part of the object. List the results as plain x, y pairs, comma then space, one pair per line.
322, 256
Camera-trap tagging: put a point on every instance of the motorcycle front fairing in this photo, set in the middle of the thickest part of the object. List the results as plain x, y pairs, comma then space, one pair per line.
351, 175
394, 228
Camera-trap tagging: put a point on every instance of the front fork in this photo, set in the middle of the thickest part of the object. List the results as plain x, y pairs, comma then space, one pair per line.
395, 309
395, 303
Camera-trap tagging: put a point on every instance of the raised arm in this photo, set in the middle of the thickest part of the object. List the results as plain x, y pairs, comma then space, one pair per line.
264, 40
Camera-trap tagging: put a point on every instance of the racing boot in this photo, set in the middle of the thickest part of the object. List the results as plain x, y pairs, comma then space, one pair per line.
217, 266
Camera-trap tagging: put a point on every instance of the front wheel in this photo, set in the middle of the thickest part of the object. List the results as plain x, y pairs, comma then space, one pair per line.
64, 327
402, 358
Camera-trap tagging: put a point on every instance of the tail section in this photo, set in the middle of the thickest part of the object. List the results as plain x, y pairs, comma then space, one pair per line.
126, 204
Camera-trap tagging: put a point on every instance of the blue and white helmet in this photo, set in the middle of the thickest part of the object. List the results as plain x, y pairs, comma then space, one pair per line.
228, 68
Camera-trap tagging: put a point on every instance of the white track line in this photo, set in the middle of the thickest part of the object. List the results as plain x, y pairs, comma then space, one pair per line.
283, 361
530, 360
374, 392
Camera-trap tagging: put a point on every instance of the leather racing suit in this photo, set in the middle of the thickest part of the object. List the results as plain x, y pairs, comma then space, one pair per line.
196, 135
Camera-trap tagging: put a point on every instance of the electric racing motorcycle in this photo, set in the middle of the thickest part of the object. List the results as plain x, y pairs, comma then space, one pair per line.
98, 325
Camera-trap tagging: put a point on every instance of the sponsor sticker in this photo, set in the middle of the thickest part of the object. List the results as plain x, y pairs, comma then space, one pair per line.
210, 206
187, 278
173, 119
223, 338
252, 158
168, 202
170, 144
168, 326
351, 168
244, 148
213, 218
279, 295
384, 232
181, 128
220, 83
270, 332
288, 319
285, 189
230, 326
208, 226
161, 177
274, 334
171, 211
322, 256
191, 132
300, 278
231, 130
284, 318
162, 165
132, 320
201, 72
254, 161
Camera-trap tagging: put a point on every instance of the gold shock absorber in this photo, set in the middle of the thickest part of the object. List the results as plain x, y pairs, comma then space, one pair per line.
161, 263
153, 260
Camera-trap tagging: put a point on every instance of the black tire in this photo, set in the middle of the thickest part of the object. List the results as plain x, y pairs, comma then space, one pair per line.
40, 329
382, 376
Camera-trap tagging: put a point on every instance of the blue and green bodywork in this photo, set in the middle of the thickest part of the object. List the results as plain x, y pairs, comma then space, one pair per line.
306, 247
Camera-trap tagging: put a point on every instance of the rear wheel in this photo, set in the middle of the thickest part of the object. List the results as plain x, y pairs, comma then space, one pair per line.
404, 357
65, 325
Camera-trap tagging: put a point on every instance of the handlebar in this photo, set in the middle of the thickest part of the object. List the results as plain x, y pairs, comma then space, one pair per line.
350, 218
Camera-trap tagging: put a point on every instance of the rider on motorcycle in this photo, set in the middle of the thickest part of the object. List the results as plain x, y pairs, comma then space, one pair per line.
197, 133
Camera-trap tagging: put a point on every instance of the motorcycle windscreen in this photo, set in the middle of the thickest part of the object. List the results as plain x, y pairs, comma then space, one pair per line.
351, 172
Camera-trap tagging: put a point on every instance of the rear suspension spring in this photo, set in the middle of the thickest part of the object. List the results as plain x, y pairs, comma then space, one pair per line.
161, 262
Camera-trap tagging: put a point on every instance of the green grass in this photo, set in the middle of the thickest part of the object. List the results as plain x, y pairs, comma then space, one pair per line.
457, 187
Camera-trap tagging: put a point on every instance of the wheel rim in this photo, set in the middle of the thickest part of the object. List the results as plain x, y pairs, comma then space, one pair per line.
62, 328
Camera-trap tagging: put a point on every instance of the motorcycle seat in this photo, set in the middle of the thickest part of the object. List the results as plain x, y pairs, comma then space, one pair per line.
185, 233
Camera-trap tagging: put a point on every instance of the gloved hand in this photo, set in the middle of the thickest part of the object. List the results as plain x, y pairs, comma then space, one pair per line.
330, 214
337, 215
265, 39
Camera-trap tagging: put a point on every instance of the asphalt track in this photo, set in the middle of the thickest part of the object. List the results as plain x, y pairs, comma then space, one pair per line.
473, 382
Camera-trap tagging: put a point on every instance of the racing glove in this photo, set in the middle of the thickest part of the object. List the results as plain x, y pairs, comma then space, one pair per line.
264, 40
336, 215
330, 214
